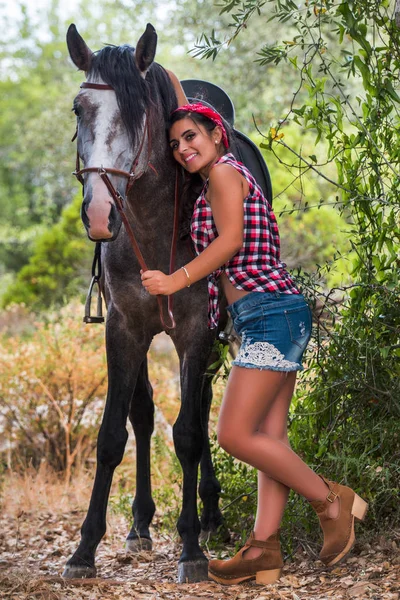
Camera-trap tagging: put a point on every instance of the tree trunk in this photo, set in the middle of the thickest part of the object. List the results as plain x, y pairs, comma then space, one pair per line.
397, 13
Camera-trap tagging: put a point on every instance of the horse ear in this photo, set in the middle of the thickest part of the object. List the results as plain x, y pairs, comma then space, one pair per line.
79, 52
146, 49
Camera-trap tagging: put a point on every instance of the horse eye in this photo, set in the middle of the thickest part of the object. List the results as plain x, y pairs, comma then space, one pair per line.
76, 109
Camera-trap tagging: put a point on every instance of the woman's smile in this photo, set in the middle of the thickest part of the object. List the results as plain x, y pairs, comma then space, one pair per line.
189, 158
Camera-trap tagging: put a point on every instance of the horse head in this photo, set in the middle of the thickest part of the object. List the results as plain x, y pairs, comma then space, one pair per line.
112, 110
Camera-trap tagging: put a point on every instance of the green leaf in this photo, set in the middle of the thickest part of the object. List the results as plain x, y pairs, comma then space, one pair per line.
388, 86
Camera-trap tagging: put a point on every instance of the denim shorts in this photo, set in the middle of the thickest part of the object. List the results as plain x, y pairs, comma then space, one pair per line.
274, 328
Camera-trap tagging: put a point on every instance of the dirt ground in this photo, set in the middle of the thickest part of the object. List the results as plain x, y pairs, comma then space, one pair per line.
34, 548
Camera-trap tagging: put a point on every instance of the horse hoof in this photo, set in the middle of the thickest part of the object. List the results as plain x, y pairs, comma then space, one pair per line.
193, 571
137, 545
79, 572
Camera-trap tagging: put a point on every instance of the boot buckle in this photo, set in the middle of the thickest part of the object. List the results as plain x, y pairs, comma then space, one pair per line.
331, 497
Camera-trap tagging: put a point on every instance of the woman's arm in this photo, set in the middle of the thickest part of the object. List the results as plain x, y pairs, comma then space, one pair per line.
226, 192
180, 94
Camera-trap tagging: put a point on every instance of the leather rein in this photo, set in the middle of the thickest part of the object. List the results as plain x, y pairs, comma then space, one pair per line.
118, 200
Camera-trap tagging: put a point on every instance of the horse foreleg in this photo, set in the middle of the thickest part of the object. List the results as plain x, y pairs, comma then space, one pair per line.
189, 440
211, 520
141, 416
124, 356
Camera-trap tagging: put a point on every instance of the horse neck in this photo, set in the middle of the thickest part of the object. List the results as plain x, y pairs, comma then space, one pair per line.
151, 200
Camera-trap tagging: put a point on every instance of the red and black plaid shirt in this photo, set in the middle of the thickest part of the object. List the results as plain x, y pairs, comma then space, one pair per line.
256, 267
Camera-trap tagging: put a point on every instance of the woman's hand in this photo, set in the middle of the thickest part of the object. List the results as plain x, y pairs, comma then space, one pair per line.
156, 282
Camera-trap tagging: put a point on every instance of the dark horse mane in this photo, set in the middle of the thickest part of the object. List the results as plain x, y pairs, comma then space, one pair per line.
116, 66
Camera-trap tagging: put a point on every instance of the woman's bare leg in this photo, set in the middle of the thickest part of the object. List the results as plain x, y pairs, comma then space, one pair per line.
272, 494
249, 396
252, 427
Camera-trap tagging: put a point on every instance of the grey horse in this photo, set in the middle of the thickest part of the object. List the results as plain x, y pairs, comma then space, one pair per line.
122, 117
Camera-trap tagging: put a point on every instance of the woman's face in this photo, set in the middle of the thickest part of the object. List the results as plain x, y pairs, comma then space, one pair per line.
194, 147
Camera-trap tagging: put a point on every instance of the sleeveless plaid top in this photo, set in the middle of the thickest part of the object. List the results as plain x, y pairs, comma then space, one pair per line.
256, 267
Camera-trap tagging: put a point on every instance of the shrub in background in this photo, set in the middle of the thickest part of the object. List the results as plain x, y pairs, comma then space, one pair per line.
52, 388
59, 266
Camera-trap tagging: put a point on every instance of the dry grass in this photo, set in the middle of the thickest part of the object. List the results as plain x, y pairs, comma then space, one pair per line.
42, 491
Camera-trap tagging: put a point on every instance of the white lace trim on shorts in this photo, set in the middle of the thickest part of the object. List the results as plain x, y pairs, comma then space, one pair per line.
262, 354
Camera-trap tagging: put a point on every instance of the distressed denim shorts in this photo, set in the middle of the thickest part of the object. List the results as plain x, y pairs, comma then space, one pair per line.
274, 328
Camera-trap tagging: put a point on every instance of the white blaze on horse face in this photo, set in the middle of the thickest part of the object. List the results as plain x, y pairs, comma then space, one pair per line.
110, 149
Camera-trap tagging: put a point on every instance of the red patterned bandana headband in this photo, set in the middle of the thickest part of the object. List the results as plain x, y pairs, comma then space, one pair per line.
210, 114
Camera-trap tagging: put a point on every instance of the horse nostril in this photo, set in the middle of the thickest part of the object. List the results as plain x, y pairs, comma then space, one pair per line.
84, 217
113, 215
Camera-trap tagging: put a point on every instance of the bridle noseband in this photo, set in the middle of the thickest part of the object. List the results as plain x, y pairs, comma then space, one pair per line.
131, 178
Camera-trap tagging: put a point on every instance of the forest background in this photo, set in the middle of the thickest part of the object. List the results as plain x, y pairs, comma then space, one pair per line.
317, 88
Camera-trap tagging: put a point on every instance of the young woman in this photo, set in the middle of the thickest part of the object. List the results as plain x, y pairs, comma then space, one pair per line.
236, 237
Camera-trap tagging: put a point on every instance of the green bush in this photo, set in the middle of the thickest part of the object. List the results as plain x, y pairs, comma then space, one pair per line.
59, 266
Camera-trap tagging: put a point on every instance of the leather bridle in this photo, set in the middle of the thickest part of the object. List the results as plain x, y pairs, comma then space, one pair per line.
118, 199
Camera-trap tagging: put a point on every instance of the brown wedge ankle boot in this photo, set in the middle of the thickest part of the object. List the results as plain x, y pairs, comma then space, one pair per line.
339, 534
266, 568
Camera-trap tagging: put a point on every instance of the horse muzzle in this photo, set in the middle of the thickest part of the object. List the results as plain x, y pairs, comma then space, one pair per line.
101, 219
